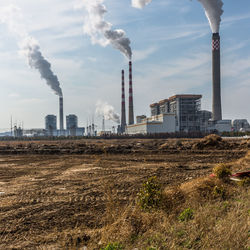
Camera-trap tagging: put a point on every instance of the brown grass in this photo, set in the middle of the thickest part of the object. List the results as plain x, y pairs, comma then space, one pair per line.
70, 201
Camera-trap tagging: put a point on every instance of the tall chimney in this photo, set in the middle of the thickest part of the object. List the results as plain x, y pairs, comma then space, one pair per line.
123, 108
131, 105
61, 113
216, 106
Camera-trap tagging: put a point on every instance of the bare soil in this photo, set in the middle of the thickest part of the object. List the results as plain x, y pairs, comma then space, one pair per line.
48, 188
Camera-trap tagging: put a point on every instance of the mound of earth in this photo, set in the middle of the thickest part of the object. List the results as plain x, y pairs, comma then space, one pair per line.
211, 141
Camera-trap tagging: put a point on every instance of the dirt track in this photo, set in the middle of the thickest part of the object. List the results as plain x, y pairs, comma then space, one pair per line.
44, 194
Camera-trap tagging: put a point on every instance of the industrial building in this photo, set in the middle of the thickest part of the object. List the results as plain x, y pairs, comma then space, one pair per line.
241, 125
50, 125
71, 124
162, 123
186, 109
178, 113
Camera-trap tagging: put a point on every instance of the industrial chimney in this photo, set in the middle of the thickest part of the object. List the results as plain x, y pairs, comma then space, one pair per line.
123, 108
131, 105
61, 114
216, 106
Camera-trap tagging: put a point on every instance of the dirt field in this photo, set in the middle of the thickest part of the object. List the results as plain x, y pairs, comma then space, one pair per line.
49, 188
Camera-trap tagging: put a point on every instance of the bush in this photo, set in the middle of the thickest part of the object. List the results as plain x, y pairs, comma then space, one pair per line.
113, 246
150, 195
186, 215
222, 171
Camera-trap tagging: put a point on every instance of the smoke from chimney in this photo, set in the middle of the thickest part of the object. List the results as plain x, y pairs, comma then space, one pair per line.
12, 16
131, 104
123, 106
100, 30
139, 4
213, 10
108, 111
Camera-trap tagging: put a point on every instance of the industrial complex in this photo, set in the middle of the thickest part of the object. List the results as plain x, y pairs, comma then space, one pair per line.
177, 113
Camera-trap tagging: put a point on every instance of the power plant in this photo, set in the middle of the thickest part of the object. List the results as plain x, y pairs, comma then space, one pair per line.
216, 73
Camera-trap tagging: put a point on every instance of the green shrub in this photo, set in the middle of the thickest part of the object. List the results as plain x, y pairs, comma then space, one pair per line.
222, 171
150, 195
186, 215
113, 246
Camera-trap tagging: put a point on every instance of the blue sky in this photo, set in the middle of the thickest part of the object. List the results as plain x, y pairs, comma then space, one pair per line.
171, 42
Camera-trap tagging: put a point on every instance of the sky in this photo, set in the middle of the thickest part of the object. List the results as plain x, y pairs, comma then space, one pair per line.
171, 46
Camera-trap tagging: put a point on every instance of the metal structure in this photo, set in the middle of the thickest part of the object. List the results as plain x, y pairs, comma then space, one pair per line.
131, 104
216, 105
123, 107
186, 109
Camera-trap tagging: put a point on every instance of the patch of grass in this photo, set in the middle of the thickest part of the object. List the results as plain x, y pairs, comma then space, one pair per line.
222, 171
219, 192
245, 182
150, 195
186, 215
113, 246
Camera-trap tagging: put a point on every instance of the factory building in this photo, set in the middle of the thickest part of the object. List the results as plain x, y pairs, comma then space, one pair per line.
50, 125
71, 124
178, 113
205, 116
162, 123
240, 125
186, 109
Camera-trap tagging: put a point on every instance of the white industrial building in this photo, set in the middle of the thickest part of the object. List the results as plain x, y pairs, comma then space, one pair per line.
182, 113
163, 123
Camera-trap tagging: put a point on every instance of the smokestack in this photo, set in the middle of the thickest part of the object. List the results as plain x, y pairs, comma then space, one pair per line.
216, 106
131, 105
61, 113
123, 111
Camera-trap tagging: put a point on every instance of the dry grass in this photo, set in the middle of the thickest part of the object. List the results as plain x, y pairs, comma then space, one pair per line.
219, 221
69, 201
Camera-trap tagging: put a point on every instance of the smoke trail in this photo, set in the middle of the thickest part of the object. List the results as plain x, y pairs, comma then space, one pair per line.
12, 16
108, 111
213, 10
100, 30
139, 4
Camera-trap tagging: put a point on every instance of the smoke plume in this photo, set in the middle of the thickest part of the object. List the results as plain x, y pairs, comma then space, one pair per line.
108, 111
12, 16
213, 10
139, 4
100, 30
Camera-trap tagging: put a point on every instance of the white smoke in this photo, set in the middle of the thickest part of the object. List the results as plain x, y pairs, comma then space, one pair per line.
139, 4
214, 11
100, 30
12, 16
108, 111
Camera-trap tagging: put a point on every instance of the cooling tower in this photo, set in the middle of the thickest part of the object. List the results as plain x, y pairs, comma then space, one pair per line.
123, 108
131, 105
216, 105
61, 113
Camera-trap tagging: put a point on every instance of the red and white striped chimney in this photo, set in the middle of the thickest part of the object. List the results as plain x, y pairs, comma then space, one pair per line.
131, 105
123, 107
